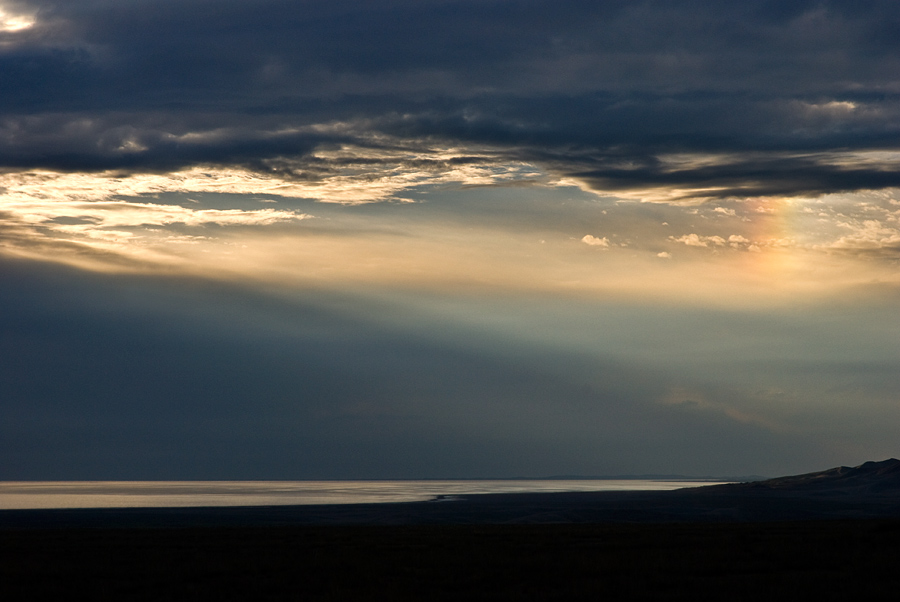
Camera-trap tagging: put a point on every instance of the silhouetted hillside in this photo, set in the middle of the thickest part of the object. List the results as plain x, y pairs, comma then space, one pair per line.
871, 478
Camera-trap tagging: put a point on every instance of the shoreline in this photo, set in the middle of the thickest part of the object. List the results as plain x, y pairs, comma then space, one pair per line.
733, 544
699, 505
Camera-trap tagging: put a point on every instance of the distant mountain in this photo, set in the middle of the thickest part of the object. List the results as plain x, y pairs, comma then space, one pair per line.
871, 478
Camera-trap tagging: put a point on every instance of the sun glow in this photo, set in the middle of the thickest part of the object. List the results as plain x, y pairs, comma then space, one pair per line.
241, 225
14, 22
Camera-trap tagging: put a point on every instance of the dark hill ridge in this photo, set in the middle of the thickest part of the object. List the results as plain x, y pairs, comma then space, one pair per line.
870, 478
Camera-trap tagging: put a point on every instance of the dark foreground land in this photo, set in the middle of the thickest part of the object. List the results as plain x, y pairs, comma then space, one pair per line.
833, 535
822, 560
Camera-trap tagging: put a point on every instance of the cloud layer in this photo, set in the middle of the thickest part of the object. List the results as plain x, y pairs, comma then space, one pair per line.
662, 100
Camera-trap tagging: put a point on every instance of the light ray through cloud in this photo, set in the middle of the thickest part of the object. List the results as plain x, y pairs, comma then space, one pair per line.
271, 239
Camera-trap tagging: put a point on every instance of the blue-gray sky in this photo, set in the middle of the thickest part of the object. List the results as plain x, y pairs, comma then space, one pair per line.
397, 239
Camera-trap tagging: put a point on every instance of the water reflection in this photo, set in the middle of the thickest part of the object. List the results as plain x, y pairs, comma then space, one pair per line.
160, 494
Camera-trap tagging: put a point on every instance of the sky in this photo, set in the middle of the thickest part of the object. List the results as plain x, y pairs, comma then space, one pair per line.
272, 239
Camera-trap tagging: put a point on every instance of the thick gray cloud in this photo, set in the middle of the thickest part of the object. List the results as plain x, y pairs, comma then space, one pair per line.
603, 91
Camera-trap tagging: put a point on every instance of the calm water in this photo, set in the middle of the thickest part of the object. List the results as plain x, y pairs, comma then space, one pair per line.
160, 494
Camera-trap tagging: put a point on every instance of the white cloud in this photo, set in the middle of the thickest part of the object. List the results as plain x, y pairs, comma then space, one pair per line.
595, 242
118, 226
868, 235
736, 240
695, 240
834, 108
356, 176
121, 214
691, 240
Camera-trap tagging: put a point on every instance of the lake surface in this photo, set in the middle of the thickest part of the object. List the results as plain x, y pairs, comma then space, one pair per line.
23, 495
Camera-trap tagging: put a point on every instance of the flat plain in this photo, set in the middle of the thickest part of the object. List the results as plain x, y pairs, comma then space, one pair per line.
832, 535
825, 560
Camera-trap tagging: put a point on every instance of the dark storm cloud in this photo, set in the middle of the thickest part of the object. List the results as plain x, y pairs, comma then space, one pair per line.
761, 176
601, 91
